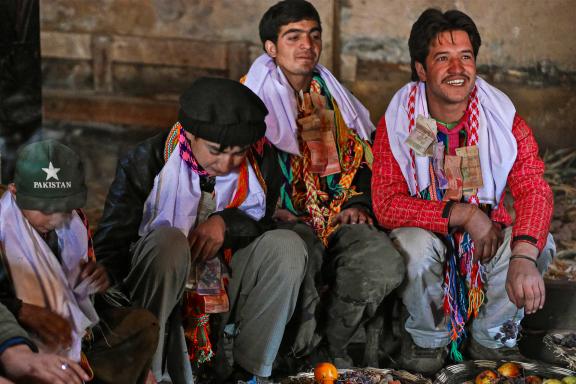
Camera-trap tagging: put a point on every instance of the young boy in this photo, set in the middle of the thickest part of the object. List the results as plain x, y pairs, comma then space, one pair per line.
52, 273
184, 198
322, 133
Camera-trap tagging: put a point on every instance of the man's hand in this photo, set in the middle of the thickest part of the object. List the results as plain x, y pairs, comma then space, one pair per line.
284, 216
486, 234
353, 216
94, 277
207, 238
525, 285
53, 330
22, 365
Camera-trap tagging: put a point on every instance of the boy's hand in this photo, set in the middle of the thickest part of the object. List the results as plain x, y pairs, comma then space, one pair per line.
24, 366
94, 277
207, 238
284, 216
353, 216
487, 235
53, 330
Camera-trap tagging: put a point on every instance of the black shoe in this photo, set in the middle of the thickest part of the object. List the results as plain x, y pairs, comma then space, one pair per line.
426, 361
477, 351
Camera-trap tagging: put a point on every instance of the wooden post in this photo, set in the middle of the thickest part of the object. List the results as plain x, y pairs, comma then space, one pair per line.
336, 38
237, 59
102, 63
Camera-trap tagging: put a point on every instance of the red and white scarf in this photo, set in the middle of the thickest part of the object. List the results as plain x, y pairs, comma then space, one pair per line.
491, 113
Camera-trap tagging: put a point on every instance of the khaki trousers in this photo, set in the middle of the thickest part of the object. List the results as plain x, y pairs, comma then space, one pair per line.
423, 295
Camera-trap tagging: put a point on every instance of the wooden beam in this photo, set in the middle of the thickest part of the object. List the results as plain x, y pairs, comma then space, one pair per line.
60, 45
88, 107
176, 52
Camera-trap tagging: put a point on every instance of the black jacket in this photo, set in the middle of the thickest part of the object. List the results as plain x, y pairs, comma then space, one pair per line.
135, 173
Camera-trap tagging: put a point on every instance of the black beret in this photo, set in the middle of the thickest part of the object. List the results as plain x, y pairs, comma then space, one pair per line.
222, 111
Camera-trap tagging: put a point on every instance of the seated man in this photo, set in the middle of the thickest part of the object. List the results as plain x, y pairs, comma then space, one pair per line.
183, 199
21, 362
445, 150
49, 273
322, 132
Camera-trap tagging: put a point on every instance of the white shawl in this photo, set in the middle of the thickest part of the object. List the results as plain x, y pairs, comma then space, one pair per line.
496, 144
39, 278
268, 81
173, 202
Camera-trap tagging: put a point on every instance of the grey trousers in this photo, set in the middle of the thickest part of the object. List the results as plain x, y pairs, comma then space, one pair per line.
157, 279
264, 284
423, 295
360, 267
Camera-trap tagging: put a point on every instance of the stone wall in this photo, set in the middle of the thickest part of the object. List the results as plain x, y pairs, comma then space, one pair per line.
125, 61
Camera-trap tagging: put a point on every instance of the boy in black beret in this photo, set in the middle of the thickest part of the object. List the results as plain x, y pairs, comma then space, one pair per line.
186, 208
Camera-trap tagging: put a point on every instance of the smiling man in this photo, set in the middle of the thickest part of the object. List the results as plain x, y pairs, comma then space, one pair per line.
186, 207
323, 134
446, 149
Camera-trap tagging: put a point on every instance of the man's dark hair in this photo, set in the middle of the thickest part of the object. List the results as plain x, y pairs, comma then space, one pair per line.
431, 23
285, 12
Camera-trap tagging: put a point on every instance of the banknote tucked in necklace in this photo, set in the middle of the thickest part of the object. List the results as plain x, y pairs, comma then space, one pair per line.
317, 126
454, 176
422, 137
470, 169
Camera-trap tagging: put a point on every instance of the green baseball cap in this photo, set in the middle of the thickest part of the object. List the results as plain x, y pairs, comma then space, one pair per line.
49, 177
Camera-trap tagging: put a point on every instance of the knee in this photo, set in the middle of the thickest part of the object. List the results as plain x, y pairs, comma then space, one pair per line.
420, 249
167, 250
391, 268
306, 234
349, 234
371, 269
147, 329
287, 251
144, 331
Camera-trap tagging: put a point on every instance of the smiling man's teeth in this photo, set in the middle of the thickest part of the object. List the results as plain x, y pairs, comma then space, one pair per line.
455, 82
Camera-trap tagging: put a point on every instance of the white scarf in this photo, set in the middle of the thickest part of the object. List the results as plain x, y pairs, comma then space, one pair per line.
268, 81
496, 144
173, 202
39, 279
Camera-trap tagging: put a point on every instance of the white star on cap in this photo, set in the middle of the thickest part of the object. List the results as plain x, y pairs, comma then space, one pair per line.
51, 172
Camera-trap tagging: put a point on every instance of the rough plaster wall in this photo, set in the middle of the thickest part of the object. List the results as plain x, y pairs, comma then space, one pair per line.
212, 20
527, 50
515, 33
